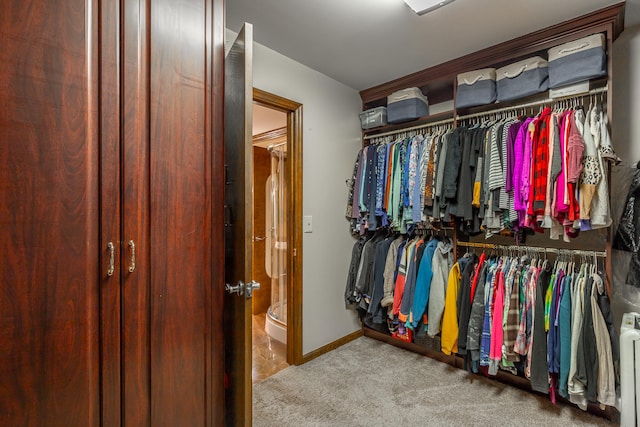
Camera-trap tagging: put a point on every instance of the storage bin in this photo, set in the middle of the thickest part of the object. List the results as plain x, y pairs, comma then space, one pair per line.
569, 90
476, 88
522, 78
577, 61
406, 104
373, 118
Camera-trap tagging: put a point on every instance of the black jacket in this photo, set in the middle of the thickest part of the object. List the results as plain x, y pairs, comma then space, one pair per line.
628, 237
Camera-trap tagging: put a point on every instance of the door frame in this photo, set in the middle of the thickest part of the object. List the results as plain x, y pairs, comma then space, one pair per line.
293, 175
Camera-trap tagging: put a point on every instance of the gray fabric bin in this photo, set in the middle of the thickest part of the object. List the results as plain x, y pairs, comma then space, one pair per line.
577, 61
373, 118
406, 105
476, 88
522, 79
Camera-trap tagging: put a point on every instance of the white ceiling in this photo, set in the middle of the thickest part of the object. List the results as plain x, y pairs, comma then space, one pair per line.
266, 119
363, 43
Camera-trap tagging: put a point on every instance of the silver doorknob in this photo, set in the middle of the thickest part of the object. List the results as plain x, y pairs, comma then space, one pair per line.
237, 289
242, 288
249, 287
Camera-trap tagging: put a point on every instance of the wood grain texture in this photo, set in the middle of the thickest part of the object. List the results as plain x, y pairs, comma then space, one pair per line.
110, 207
238, 225
179, 212
135, 214
215, 353
295, 257
261, 171
49, 195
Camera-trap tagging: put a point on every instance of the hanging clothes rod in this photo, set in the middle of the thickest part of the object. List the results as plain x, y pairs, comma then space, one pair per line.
535, 103
272, 146
601, 254
399, 131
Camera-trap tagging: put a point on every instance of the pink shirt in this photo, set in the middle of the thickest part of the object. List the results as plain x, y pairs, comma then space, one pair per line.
495, 352
575, 148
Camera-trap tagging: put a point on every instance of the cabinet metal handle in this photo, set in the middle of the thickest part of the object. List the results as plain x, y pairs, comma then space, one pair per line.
112, 259
133, 256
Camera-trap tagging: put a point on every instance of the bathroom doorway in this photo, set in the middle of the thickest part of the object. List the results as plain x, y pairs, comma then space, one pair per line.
275, 241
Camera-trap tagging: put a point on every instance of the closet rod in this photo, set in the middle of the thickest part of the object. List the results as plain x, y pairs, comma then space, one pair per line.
399, 131
272, 146
601, 254
535, 103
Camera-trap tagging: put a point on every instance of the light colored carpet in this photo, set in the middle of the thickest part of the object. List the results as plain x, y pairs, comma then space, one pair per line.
370, 383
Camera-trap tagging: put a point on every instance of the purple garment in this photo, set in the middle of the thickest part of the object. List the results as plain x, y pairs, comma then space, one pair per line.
525, 184
514, 130
518, 154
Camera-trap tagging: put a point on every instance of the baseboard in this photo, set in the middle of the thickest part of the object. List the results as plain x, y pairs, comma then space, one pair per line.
331, 346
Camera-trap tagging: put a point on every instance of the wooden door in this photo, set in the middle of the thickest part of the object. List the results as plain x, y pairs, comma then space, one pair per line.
170, 119
179, 212
238, 225
49, 213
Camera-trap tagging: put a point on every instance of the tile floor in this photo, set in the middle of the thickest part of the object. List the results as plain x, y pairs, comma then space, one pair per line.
269, 355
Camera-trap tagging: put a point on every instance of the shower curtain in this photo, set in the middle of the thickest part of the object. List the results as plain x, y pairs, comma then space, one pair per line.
276, 247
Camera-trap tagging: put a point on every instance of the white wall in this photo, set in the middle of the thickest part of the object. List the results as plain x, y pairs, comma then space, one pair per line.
626, 95
331, 139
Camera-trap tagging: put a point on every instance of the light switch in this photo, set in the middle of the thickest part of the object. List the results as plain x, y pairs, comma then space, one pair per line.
307, 224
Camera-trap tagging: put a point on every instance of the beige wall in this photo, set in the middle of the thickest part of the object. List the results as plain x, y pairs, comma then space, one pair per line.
331, 138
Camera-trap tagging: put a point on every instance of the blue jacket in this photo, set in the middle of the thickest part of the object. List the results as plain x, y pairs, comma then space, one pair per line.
423, 285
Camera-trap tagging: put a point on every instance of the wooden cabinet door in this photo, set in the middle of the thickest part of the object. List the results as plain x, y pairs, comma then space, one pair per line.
172, 61
179, 263
49, 213
134, 238
109, 151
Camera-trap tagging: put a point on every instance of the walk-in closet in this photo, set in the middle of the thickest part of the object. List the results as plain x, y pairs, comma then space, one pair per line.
481, 213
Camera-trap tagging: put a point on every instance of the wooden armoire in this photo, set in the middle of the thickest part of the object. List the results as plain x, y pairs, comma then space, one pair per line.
110, 212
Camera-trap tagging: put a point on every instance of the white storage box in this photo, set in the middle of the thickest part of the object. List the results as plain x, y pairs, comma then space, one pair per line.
373, 118
476, 88
577, 61
570, 90
406, 104
522, 78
